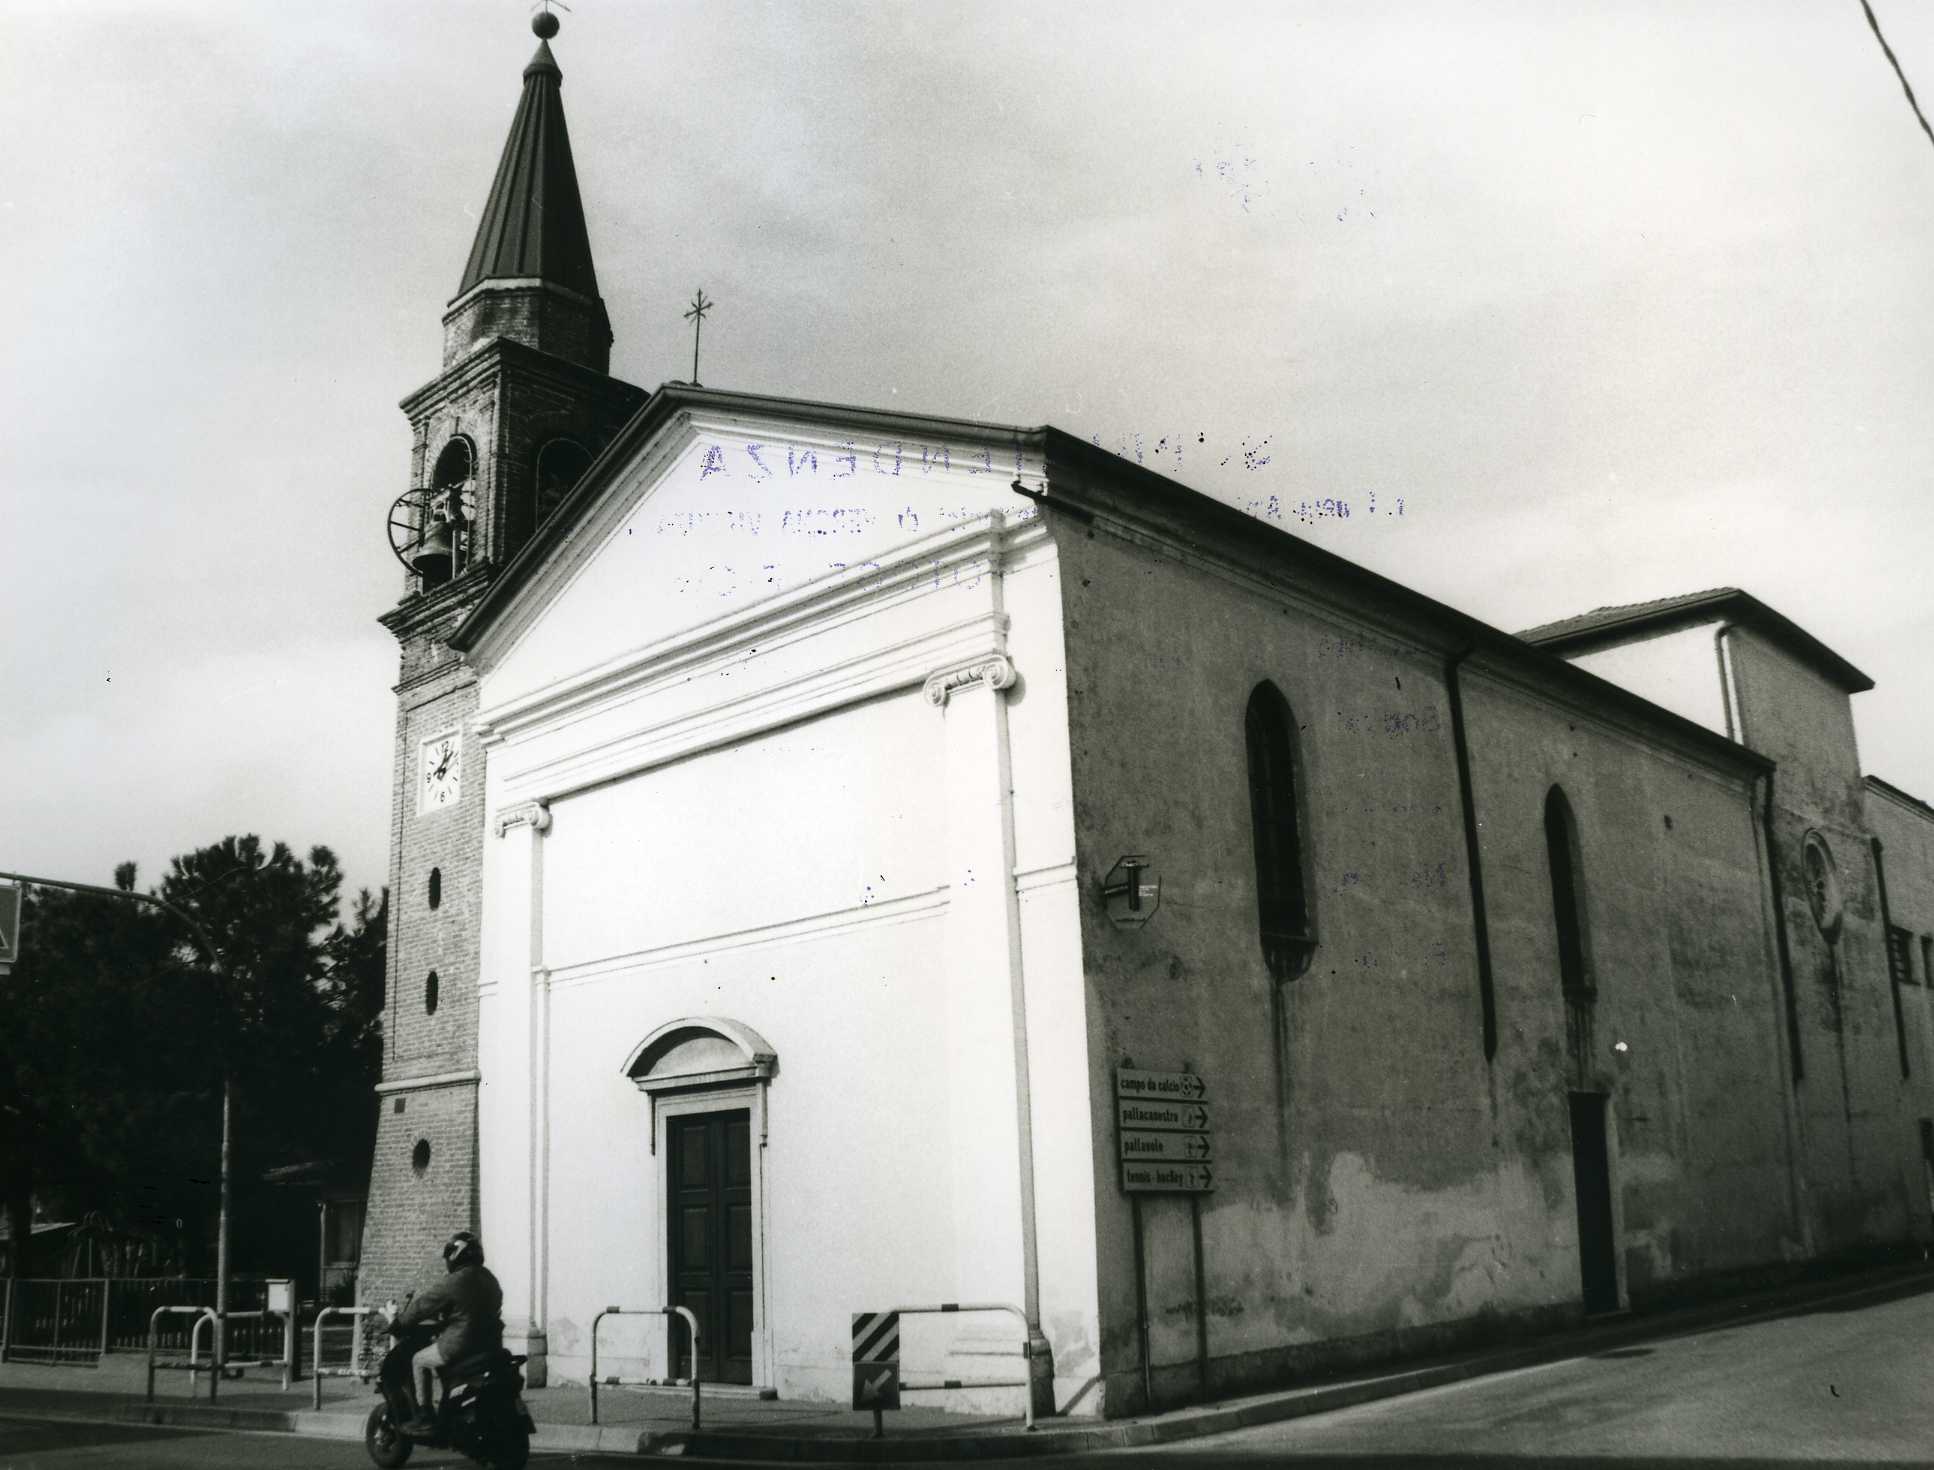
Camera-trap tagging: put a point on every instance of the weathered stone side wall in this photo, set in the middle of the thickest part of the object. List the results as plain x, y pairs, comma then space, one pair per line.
1905, 827
1857, 1110
1685, 1035
1380, 1185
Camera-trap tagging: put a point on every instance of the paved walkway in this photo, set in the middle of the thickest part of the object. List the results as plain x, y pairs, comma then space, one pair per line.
740, 1425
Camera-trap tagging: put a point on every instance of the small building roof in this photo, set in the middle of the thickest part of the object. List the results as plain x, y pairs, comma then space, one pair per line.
1905, 798
1605, 627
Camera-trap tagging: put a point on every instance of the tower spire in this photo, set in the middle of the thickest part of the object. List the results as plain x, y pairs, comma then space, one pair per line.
529, 274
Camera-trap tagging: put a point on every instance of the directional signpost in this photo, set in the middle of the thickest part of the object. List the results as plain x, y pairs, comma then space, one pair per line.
9, 926
876, 1363
1163, 1127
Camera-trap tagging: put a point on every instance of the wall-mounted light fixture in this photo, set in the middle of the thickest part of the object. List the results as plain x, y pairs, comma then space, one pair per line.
1131, 892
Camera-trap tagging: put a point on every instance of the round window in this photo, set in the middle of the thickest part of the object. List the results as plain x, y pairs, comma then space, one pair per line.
1822, 884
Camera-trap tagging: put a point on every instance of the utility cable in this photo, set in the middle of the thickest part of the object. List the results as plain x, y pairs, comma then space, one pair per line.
1894, 62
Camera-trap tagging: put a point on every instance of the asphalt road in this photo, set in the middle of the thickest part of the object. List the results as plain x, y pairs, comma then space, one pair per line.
1825, 1386
34, 1444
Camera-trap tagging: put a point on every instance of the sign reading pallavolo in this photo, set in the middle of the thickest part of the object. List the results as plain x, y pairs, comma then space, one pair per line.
1163, 1127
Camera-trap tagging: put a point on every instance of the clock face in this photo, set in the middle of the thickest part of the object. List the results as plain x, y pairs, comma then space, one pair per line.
442, 772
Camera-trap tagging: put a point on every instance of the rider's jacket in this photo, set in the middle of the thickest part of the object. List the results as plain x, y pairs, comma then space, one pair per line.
469, 1303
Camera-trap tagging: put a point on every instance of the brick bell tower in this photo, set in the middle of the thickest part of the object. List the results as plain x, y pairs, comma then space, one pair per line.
522, 405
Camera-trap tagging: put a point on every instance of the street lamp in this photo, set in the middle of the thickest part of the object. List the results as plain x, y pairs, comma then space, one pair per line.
228, 1079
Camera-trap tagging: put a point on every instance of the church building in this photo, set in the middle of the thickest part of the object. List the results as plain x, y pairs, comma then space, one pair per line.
847, 860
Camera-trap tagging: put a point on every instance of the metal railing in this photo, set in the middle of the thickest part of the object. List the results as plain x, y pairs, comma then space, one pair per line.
193, 1366
691, 1325
209, 1317
56, 1320
286, 1362
77, 1319
355, 1368
1027, 1353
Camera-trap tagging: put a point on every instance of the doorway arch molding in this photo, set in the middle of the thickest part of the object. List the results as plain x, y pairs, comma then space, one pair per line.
701, 1054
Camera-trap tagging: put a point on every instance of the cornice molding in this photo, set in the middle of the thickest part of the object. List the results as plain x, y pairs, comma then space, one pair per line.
921, 567
995, 670
434, 1079
533, 814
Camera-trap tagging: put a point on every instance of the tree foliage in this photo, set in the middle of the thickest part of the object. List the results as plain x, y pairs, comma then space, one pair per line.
120, 1026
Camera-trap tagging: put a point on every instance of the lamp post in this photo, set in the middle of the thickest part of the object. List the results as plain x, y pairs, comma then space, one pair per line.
228, 1080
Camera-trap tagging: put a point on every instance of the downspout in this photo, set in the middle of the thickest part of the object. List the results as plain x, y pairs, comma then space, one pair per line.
1040, 1358
1887, 949
1486, 990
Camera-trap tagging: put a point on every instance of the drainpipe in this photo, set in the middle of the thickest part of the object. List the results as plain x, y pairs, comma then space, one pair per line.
1486, 989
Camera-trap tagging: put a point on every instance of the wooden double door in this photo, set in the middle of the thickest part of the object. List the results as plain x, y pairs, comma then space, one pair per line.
708, 1158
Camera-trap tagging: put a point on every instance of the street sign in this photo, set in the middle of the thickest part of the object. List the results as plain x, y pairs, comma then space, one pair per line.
876, 1385
1163, 1117
9, 926
876, 1360
1189, 1148
1166, 1086
1140, 1178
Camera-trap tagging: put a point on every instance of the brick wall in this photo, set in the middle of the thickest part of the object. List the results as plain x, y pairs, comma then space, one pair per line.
411, 1214
412, 1211
509, 401
556, 322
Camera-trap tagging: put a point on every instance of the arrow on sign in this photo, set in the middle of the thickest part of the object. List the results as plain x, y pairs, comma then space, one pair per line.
1197, 1148
872, 1388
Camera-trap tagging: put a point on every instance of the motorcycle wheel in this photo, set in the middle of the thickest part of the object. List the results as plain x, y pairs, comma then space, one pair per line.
510, 1448
386, 1447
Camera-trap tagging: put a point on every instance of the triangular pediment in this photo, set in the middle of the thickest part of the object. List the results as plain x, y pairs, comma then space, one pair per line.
724, 502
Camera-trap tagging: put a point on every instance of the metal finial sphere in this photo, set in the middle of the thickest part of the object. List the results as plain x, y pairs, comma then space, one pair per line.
545, 24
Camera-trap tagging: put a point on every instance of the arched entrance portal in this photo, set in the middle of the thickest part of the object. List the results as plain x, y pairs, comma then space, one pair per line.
706, 1079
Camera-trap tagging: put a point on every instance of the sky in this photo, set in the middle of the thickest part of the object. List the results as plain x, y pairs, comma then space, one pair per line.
1620, 301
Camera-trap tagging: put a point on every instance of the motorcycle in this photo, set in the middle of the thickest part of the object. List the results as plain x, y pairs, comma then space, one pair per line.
481, 1415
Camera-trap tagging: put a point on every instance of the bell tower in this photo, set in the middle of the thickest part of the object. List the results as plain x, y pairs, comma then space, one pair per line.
522, 405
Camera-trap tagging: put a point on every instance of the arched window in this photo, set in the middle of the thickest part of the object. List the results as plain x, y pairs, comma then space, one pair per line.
431, 989
560, 464
1567, 893
449, 509
1282, 896
454, 465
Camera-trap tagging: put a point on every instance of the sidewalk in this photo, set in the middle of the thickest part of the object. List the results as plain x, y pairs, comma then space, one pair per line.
738, 1424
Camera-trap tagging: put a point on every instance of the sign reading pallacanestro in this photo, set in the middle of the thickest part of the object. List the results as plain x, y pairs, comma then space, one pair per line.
1161, 1116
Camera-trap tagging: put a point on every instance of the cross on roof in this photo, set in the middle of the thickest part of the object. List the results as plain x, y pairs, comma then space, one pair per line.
696, 316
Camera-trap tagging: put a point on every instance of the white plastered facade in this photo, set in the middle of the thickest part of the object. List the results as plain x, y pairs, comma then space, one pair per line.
780, 819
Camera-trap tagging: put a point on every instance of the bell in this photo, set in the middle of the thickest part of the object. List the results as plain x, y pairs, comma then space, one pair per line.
433, 559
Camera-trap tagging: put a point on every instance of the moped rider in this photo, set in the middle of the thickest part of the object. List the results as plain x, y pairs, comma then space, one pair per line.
467, 1305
